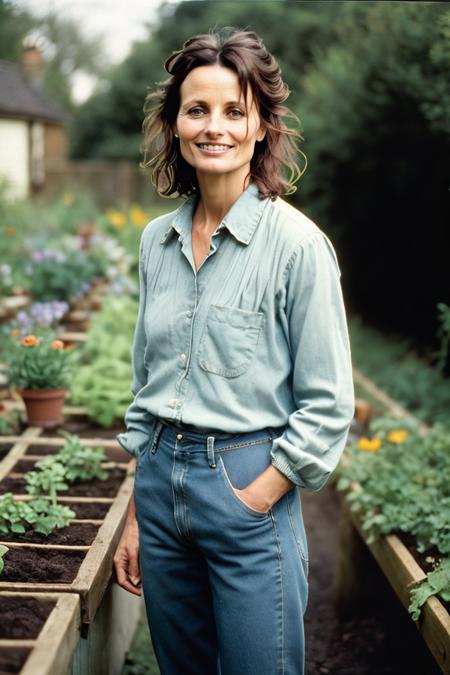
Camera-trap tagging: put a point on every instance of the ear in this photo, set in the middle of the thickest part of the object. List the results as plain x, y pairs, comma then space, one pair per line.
261, 134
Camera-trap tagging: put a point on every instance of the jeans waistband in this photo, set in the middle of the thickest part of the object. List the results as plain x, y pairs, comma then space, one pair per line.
194, 432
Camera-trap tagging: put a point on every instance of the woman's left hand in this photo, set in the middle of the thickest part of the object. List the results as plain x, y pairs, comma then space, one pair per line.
267, 488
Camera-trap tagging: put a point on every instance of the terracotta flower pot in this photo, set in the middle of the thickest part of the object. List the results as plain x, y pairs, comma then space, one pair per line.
43, 407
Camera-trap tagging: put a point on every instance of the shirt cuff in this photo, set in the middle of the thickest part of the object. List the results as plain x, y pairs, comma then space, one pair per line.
313, 485
132, 441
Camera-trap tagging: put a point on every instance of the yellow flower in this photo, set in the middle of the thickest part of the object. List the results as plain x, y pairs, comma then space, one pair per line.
138, 216
57, 344
30, 341
68, 198
398, 436
369, 445
116, 218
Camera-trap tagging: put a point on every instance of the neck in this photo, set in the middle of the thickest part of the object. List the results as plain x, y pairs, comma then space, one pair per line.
216, 198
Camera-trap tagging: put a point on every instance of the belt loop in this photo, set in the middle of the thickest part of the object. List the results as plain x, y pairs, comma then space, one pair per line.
210, 451
158, 427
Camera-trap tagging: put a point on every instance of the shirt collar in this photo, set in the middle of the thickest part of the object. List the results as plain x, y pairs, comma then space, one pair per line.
241, 220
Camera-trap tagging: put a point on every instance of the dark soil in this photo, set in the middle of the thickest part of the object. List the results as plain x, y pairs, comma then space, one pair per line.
90, 488
22, 617
111, 454
12, 659
89, 510
23, 465
86, 428
72, 535
41, 565
378, 637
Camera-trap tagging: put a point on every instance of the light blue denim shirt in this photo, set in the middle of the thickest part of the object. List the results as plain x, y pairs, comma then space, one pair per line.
256, 338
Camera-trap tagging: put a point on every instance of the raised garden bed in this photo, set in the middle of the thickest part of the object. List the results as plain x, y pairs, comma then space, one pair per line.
396, 555
38, 563
39, 632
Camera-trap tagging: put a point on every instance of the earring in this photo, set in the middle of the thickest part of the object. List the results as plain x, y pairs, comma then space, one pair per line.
176, 135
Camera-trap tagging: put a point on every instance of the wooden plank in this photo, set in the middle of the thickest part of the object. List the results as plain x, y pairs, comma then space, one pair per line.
53, 649
96, 569
17, 643
57, 640
402, 572
60, 441
57, 547
80, 499
73, 336
395, 409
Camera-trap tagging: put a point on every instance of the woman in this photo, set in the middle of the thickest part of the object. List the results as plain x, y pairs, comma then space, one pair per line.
242, 372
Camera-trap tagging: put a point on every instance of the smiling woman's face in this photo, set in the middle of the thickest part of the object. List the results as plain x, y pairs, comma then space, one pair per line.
212, 123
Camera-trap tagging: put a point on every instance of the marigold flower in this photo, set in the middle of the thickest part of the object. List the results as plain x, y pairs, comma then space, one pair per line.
15, 332
138, 216
369, 444
116, 218
30, 341
9, 231
57, 344
397, 436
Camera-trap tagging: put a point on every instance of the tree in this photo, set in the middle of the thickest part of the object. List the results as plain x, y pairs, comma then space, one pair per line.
14, 25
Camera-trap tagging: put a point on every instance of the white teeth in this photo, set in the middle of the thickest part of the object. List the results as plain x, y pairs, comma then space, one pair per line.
213, 147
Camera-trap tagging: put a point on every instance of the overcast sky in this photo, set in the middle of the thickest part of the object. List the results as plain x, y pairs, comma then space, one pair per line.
119, 22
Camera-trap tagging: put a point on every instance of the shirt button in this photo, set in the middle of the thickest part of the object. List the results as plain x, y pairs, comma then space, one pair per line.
179, 437
183, 356
189, 312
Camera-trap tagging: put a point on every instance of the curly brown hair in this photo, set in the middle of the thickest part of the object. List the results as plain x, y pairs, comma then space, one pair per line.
243, 52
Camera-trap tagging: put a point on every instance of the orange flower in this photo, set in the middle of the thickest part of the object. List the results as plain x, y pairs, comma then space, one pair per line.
30, 341
57, 344
9, 231
369, 445
398, 436
15, 332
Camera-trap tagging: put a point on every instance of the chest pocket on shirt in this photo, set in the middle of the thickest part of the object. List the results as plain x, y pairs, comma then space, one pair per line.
229, 340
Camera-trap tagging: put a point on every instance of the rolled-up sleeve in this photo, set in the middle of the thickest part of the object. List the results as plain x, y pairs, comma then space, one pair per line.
138, 420
322, 384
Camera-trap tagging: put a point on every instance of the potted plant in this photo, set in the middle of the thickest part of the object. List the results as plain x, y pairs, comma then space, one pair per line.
40, 368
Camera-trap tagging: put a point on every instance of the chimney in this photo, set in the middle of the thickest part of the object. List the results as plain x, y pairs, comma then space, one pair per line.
33, 65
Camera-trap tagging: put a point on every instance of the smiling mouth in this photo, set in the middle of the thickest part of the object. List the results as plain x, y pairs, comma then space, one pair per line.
214, 147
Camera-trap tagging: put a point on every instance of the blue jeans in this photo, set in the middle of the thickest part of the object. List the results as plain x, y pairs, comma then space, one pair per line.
225, 586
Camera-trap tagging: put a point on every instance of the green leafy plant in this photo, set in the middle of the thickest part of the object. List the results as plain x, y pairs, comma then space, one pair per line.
103, 378
398, 480
42, 515
72, 463
9, 420
80, 462
3, 550
39, 363
436, 583
48, 479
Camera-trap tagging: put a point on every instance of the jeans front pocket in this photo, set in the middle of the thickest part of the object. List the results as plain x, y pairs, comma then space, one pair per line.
240, 465
229, 340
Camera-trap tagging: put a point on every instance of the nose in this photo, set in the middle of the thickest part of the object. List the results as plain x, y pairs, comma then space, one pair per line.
214, 125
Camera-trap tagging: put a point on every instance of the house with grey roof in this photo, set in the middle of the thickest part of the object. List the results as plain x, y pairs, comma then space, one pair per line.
32, 133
